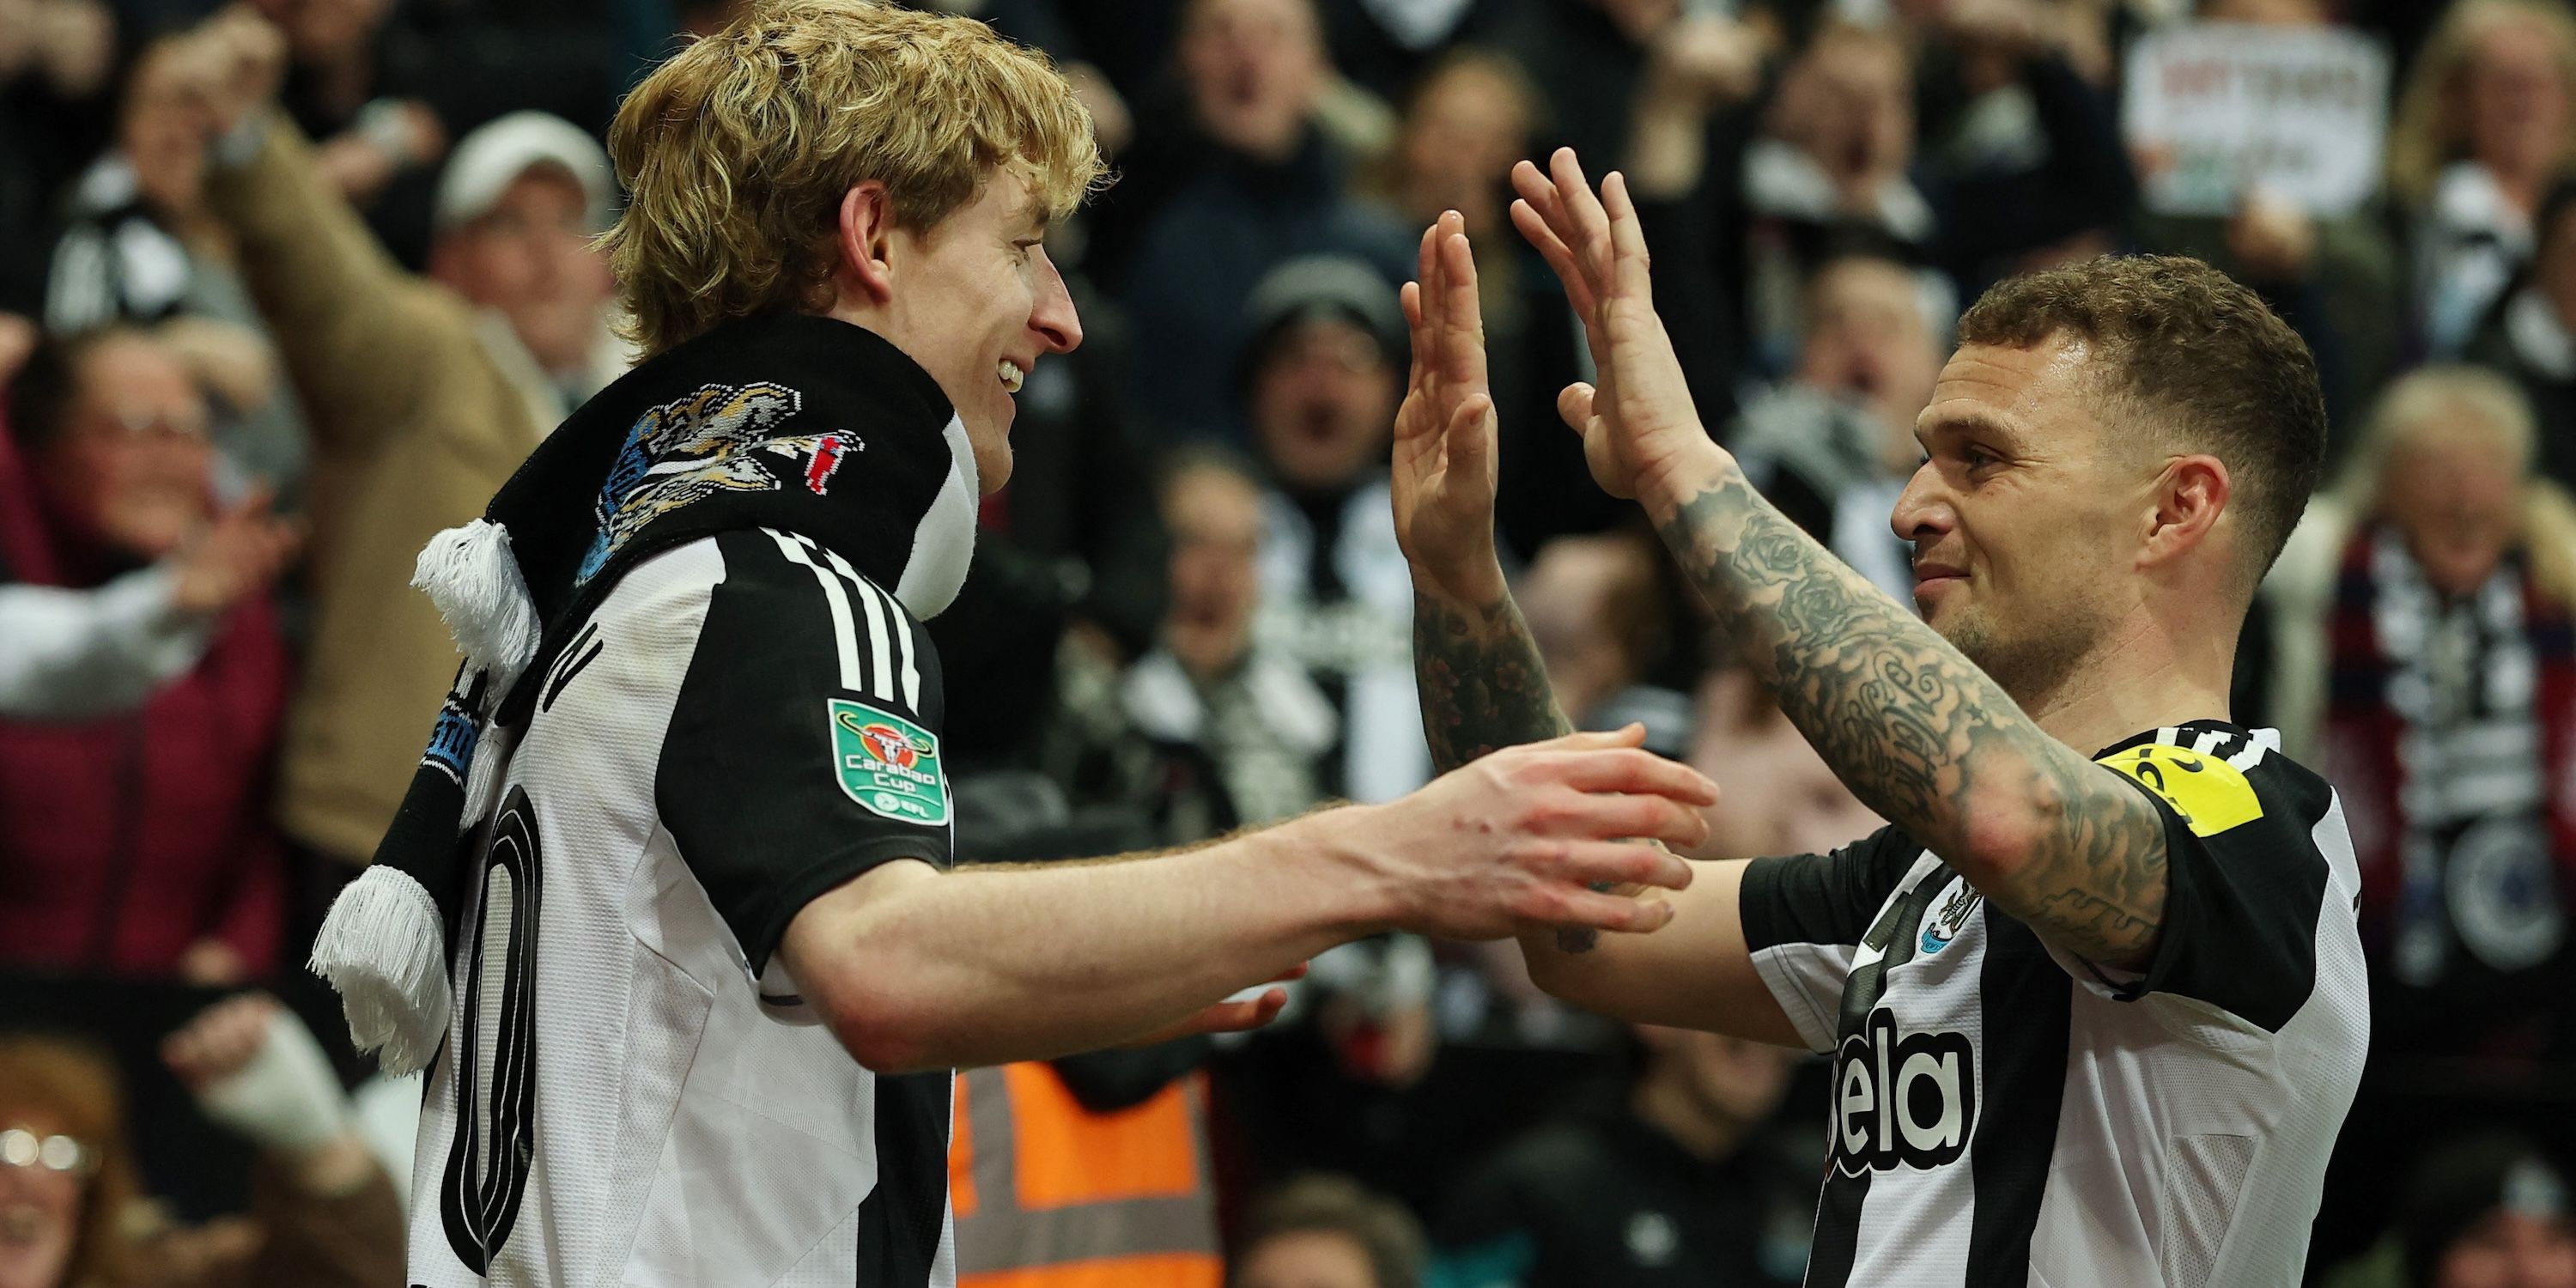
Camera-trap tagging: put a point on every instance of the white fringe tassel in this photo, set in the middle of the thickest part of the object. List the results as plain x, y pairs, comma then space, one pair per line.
385, 949
469, 574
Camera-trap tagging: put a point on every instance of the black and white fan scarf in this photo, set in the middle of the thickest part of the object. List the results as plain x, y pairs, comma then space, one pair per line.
797, 423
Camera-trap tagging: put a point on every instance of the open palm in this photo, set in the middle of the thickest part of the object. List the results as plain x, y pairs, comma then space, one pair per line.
1638, 423
1444, 432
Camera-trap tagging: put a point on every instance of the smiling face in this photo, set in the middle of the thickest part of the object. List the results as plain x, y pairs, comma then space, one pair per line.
2023, 516
530, 257
975, 300
40, 1212
131, 467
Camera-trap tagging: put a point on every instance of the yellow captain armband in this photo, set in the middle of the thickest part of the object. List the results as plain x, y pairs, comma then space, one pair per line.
2210, 794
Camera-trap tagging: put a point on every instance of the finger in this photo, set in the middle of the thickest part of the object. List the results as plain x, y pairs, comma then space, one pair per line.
1631, 734
1632, 770
1410, 296
1619, 816
1464, 315
1295, 972
1576, 906
1531, 216
1616, 863
1236, 1017
1629, 261
254, 503
1587, 225
1574, 406
1470, 446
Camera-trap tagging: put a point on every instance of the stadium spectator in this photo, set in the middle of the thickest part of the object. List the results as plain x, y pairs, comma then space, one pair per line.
139, 842
1210, 202
2426, 643
2487, 1210
1781, 797
1595, 606
142, 247
1320, 376
1673, 1183
1831, 173
2531, 335
1328, 1232
424, 395
1253, 711
1472, 114
323, 1213
374, 136
2483, 127
56, 57
1834, 445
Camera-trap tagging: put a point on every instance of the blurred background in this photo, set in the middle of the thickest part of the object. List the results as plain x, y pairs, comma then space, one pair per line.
258, 344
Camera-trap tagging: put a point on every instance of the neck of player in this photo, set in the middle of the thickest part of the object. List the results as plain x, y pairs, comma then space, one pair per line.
2145, 673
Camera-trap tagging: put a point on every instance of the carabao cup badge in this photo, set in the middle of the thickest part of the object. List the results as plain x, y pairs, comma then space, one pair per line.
888, 764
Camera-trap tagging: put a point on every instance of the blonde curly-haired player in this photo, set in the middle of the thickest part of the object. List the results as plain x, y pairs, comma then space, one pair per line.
710, 967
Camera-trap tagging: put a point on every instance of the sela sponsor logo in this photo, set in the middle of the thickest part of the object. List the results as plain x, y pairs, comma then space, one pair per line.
1902, 1102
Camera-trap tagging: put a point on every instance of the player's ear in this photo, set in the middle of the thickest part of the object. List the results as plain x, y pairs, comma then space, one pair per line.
866, 240
2189, 497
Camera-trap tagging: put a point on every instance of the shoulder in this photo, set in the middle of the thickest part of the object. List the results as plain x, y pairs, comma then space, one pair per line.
2226, 785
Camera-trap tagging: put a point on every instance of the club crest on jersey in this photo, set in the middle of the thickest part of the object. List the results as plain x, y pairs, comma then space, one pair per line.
1902, 1102
888, 764
1957, 905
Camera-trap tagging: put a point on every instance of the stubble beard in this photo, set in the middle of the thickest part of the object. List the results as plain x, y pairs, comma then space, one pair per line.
2028, 666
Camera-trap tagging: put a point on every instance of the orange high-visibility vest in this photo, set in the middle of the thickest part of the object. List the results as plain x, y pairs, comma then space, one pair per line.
1049, 1194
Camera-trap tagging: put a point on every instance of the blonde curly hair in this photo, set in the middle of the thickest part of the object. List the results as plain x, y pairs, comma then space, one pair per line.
738, 150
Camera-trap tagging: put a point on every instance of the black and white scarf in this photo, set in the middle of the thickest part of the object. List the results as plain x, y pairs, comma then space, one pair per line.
802, 424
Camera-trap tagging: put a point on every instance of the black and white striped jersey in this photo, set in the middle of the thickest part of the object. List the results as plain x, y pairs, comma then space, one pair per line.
2005, 1112
631, 1092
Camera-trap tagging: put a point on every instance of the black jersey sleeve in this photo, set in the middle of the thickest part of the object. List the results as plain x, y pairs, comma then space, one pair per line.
2245, 879
1804, 916
803, 748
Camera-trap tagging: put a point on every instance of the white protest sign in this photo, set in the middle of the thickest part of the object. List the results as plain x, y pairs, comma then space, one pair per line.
2216, 110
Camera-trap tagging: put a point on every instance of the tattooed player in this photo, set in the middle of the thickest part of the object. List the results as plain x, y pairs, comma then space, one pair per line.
2095, 995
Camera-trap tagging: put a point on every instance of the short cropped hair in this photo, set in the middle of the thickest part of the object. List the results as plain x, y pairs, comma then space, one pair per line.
2209, 365
738, 150
1381, 1228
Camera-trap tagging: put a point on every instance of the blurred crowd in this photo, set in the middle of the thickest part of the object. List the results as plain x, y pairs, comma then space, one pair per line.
285, 288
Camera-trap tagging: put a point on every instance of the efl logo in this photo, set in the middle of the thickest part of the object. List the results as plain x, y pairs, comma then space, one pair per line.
1908, 1102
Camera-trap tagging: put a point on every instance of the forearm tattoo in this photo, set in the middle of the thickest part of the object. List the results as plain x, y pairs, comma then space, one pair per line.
1483, 684
1484, 687
1916, 730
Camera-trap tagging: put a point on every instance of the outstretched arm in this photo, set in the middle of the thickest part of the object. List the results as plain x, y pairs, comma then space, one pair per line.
916, 969
1912, 727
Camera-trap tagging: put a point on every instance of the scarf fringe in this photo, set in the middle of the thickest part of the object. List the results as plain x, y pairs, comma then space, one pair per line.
384, 949
469, 574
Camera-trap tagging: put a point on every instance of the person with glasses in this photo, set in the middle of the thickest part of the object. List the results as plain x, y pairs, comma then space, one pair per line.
136, 831
323, 1211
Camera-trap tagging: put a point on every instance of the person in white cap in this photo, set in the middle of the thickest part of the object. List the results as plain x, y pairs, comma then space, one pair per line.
424, 393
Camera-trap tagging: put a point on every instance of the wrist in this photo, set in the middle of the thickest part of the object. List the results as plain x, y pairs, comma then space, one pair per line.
1683, 476
1478, 583
1363, 897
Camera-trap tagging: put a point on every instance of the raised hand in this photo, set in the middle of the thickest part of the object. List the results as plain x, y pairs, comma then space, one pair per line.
1519, 840
1640, 430
1444, 475
240, 553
